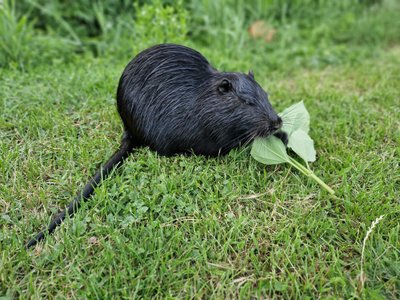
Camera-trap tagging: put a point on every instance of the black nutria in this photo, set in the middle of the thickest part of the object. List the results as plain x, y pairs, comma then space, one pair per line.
171, 99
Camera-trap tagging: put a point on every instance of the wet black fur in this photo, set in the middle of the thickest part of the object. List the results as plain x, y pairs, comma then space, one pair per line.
171, 99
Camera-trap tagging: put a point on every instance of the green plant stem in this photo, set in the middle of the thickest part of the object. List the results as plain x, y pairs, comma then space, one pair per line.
311, 174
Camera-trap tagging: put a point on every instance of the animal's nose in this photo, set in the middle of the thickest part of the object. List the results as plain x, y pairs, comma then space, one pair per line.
277, 124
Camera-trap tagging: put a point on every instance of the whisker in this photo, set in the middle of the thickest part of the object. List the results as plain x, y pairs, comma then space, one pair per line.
247, 140
250, 139
287, 123
247, 137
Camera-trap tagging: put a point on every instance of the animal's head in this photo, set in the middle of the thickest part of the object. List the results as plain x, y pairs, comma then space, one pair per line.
238, 110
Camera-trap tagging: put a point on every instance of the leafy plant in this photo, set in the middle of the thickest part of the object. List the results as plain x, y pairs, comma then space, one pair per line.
272, 151
158, 23
15, 35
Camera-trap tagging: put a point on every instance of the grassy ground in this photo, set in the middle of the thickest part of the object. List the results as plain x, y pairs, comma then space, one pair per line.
191, 227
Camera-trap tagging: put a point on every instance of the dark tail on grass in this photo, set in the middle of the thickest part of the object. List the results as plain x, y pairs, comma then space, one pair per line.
124, 150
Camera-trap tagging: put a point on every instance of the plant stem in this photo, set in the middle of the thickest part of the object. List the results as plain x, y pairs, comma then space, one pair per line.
323, 184
311, 174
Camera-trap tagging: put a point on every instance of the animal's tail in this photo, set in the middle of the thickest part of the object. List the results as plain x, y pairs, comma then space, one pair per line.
124, 150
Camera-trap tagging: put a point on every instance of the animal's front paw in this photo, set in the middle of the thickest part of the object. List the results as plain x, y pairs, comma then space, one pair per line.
282, 136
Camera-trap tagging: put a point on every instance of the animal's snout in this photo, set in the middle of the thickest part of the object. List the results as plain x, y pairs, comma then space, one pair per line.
276, 124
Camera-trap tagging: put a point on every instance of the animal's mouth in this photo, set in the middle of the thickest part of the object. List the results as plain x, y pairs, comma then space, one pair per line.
273, 127
277, 133
267, 131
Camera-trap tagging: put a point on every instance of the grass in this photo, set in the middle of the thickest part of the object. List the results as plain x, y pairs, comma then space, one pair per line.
196, 227
189, 226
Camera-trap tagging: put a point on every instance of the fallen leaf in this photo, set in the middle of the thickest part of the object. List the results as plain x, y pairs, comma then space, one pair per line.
260, 30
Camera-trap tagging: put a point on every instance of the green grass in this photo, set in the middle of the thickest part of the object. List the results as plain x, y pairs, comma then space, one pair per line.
191, 226
195, 227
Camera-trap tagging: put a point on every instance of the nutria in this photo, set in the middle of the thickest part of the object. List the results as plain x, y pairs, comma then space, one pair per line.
171, 99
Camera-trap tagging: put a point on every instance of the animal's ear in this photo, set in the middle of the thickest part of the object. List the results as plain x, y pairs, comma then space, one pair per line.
251, 74
224, 86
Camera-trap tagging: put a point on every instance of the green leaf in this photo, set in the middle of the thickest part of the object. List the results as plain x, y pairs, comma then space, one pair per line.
295, 117
301, 143
270, 151
296, 123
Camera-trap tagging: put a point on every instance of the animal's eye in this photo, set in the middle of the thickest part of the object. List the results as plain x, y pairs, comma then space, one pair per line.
225, 86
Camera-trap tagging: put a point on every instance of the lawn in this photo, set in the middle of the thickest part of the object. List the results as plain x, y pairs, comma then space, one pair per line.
196, 227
